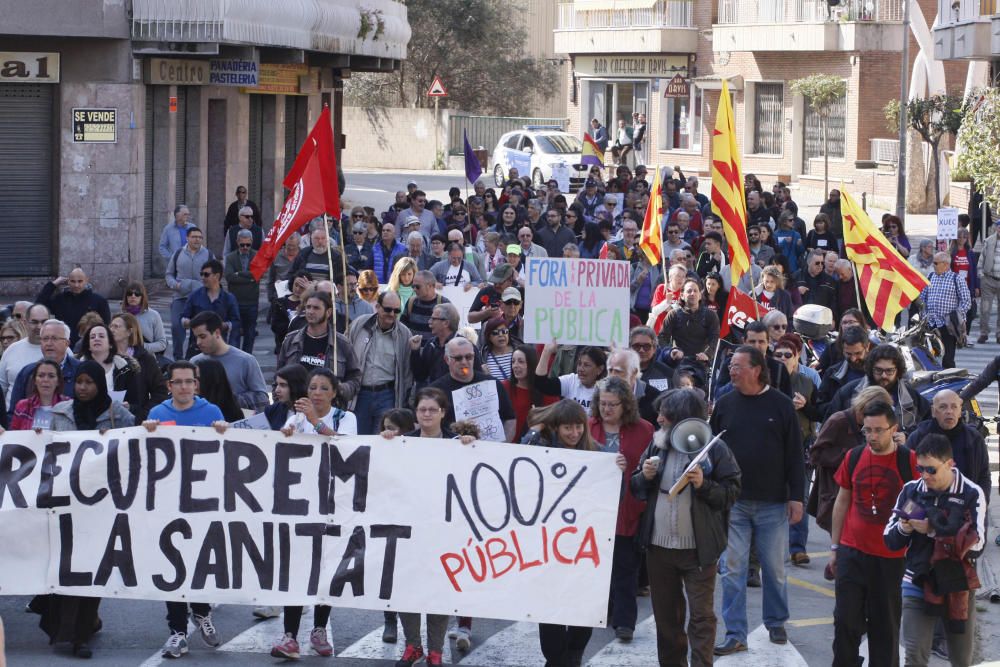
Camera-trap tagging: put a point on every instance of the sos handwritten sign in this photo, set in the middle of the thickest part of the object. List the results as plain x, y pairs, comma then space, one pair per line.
576, 301
252, 517
479, 403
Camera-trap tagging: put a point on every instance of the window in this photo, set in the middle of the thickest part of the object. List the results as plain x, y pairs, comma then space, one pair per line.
512, 141
768, 114
559, 143
681, 124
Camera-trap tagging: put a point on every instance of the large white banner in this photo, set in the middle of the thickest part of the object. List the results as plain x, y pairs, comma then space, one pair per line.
425, 525
576, 301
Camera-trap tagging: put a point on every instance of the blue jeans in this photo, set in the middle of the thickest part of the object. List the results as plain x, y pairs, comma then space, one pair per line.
370, 406
177, 331
798, 533
248, 328
768, 522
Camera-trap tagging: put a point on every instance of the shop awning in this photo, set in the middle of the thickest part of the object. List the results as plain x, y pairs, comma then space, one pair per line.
595, 5
714, 82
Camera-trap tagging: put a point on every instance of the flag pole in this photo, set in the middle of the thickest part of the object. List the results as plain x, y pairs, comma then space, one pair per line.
329, 262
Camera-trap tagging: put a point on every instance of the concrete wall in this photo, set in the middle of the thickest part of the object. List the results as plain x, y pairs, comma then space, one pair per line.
381, 137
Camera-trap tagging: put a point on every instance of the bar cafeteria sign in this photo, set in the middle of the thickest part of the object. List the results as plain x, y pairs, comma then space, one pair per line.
618, 67
677, 87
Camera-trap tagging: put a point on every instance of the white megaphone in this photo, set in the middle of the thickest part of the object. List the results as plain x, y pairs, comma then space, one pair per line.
689, 436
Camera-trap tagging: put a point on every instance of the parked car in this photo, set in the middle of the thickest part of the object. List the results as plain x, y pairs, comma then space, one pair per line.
535, 150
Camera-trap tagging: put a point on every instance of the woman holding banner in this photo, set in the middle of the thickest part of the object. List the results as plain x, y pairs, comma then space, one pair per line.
432, 405
563, 424
318, 412
45, 389
616, 426
71, 618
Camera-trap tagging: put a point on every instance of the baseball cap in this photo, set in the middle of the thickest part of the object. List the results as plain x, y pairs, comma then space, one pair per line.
591, 183
413, 183
502, 272
511, 294
513, 249
411, 220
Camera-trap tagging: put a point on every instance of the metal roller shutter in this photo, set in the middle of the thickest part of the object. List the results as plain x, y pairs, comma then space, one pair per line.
26, 144
151, 241
255, 142
180, 189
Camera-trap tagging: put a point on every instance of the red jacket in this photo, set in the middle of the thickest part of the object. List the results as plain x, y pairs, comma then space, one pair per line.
633, 441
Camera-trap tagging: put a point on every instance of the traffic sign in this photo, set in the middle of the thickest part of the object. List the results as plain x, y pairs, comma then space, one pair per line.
437, 88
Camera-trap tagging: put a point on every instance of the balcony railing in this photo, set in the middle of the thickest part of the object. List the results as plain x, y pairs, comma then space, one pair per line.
664, 14
732, 12
966, 10
886, 151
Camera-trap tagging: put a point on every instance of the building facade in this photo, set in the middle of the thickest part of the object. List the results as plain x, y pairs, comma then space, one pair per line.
666, 58
112, 113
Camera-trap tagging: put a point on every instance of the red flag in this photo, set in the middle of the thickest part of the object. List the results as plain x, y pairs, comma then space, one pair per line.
320, 143
304, 203
604, 251
740, 310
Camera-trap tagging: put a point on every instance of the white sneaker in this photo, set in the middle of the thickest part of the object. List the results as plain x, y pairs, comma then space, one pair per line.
176, 646
463, 639
266, 612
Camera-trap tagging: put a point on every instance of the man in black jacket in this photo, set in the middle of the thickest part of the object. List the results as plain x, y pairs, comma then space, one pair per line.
815, 286
967, 445
854, 345
684, 549
71, 304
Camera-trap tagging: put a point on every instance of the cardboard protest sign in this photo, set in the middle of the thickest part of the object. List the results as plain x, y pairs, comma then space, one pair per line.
576, 301
252, 517
479, 403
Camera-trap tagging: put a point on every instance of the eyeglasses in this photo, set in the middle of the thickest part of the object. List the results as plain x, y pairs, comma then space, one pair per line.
51, 339
885, 372
244, 245
779, 327
428, 411
392, 311
367, 290
783, 355
245, 216
358, 215
673, 232
207, 274
642, 347
183, 382
359, 232
8, 339
874, 430
462, 357
512, 302
133, 293
499, 332
930, 470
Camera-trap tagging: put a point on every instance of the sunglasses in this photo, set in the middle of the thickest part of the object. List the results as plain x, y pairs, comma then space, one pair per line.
930, 470
368, 289
8, 339
499, 332
133, 293
512, 302
783, 355
358, 215
642, 347
779, 327
392, 311
207, 274
244, 245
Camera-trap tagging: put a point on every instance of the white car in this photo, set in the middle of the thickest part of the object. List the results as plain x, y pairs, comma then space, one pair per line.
535, 150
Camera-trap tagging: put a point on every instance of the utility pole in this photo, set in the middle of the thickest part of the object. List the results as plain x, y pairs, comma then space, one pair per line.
904, 82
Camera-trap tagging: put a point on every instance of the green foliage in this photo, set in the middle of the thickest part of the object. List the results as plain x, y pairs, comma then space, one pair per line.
477, 47
820, 90
979, 137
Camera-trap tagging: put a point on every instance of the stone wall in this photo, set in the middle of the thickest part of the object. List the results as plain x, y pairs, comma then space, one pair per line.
391, 138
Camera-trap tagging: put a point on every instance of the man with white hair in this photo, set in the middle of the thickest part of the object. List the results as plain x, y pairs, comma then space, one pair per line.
415, 250
245, 288
460, 355
54, 339
174, 235
689, 206
20, 310
847, 293
691, 186
946, 301
624, 363
246, 222
314, 259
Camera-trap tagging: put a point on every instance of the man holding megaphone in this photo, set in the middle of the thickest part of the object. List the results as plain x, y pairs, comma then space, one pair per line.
685, 532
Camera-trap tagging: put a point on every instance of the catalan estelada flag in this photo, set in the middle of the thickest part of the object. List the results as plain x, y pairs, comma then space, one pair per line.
651, 238
729, 201
888, 283
591, 154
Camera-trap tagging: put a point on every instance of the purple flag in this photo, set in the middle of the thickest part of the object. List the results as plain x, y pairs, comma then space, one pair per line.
473, 170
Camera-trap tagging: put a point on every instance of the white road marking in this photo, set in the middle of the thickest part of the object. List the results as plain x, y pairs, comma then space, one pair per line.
640, 650
514, 646
763, 653
372, 647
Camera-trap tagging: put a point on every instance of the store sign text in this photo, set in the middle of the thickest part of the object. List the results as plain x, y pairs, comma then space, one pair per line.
20, 67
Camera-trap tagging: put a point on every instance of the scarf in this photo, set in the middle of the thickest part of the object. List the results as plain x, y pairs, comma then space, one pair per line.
85, 413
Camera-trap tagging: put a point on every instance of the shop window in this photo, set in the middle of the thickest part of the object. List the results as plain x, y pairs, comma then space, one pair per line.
768, 112
681, 122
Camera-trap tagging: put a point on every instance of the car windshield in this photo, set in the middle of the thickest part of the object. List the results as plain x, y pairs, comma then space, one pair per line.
559, 143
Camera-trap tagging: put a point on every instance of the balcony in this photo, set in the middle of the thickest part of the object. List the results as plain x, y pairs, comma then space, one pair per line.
808, 25
626, 26
375, 28
964, 30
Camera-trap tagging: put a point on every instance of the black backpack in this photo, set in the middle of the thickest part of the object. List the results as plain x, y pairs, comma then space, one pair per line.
902, 461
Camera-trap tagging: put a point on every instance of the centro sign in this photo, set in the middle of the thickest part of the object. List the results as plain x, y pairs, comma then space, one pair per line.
170, 71
29, 67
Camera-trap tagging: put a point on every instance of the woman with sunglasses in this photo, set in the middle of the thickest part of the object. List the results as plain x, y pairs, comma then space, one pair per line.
368, 287
496, 349
432, 404
11, 332
128, 341
136, 302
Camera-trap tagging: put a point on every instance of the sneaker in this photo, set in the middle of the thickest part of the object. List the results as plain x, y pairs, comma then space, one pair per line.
319, 644
435, 658
389, 633
287, 647
266, 612
176, 646
753, 578
463, 639
207, 630
411, 656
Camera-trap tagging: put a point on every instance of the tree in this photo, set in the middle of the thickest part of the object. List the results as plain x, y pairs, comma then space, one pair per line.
477, 48
822, 91
979, 137
932, 118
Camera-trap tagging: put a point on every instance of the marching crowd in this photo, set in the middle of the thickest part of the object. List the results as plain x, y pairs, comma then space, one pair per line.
366, 344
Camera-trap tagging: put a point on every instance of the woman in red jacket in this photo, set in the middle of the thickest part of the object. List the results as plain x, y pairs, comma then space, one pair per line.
615, 424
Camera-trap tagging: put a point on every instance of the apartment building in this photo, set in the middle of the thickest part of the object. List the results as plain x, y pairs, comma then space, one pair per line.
667, 58
112, 113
